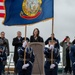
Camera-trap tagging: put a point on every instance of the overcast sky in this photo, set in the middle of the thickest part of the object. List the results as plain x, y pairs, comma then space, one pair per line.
64, 23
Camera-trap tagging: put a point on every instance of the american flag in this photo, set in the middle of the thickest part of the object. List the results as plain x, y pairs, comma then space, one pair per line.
2, 9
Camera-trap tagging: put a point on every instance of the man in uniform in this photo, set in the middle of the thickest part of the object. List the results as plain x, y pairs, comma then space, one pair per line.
52, 56
72, 57
2, 58
17, 42
66, 44
4, 43
25, 68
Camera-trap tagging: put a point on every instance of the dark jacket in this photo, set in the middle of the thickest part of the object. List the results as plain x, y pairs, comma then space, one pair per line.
56, 55
51, 55
3, 58
72, 54
56, 45
72, 57
39, 39
29, 59
5, 43
16, 43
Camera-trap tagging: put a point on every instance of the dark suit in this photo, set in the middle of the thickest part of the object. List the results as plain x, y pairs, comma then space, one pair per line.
16, 43
39, 39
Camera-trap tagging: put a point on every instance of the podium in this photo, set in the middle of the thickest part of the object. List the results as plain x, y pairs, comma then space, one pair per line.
38, 66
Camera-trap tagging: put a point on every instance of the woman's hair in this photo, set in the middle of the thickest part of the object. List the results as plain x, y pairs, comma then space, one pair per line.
37, 30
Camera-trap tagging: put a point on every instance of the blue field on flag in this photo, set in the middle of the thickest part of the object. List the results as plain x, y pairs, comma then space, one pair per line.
26, 12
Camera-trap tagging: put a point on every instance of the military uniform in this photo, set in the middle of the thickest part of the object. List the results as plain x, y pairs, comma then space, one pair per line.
5, 43
56, 60
17, 42
72, 57
2, 58
29, 60
66, 58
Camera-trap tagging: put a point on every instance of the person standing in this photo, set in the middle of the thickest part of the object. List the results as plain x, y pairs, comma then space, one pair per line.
72, 56
52, 56
25, 68
35, 37
3, 57
17, 43
66, 44
4, 43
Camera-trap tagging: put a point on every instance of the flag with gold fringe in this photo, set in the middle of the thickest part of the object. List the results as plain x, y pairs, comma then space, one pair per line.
26, 12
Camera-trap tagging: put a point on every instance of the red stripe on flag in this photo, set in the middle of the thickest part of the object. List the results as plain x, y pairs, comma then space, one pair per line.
2, 7
1, 0
2, 14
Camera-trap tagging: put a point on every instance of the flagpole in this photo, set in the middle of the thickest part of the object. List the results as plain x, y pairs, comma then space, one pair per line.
25, 31
52, 40
25, 48
52, 30
52, 27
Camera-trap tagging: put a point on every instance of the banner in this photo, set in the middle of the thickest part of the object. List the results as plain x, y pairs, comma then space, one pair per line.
25, 12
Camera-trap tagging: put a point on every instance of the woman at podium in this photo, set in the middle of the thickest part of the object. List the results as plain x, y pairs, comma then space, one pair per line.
35, 37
